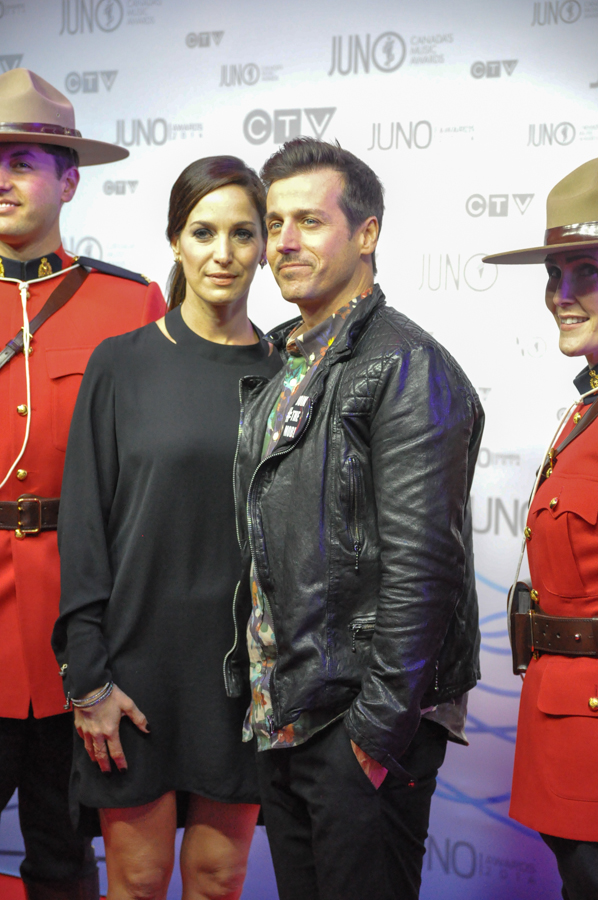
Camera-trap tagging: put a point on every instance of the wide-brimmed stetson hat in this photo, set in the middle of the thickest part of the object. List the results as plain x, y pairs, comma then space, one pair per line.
34, 112
571, 218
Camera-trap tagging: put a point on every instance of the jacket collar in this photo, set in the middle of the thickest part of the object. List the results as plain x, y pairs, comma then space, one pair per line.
586, 381
348, 335
32, 269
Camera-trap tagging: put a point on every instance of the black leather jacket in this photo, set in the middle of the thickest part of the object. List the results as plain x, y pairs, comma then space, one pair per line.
360, 531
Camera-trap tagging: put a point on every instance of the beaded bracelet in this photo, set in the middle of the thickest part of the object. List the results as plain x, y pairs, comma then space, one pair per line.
100, 695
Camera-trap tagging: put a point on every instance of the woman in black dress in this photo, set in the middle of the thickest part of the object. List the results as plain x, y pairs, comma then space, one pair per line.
150, 558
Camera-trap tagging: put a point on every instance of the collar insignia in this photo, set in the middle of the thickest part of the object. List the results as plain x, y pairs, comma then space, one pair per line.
44, 268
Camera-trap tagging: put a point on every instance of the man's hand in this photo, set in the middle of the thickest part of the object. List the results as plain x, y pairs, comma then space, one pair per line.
98, 727
374, 770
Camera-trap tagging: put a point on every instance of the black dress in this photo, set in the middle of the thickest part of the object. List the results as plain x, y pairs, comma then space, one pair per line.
149, 560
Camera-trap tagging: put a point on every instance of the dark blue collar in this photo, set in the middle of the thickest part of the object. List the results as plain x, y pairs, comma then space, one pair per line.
587, 380
31, 269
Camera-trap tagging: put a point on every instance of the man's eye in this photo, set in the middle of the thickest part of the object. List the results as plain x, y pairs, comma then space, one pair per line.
273, 226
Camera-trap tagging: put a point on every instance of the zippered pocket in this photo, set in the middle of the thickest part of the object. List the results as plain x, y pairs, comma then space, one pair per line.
361, 630
355, 503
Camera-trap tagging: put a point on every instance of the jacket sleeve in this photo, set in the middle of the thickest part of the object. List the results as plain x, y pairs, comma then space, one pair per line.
89, 482
425, 418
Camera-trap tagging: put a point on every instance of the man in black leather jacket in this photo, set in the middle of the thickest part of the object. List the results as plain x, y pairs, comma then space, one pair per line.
354, 467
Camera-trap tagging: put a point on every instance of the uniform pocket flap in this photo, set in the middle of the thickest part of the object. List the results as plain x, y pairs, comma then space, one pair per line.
578, 496
569, 686
70, 361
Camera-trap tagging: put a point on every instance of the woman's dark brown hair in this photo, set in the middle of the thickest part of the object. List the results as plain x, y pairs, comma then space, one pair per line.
196, 181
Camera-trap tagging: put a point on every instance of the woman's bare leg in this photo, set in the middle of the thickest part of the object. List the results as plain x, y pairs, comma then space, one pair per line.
215, 848
139, 844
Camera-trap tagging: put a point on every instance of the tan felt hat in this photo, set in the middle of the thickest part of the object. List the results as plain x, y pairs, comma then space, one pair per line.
571, 218
34, 112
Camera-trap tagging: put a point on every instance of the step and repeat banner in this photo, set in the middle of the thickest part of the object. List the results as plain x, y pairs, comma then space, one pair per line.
469, 112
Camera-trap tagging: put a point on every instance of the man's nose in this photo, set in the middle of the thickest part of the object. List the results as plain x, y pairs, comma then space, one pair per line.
288, 238
5, 179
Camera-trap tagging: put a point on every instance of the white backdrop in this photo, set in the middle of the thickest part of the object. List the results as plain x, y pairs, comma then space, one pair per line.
469, 112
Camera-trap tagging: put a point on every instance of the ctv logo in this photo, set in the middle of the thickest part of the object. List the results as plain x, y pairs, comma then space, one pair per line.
120, 187
203, 38
285, 124
496, 205
89, 81
10, 61
493, 69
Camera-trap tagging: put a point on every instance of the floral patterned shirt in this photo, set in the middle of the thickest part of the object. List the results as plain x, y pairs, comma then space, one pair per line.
306, 350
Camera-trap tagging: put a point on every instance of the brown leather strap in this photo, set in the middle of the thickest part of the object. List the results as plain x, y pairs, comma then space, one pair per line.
29, 514
57, 299
565, 635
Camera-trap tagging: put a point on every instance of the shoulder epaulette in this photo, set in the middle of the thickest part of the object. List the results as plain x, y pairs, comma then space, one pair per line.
107, 269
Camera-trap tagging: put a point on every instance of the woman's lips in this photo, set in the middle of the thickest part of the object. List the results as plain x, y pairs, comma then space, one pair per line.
223, 278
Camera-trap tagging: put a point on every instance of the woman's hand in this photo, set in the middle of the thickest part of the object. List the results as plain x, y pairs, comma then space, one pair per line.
98, 727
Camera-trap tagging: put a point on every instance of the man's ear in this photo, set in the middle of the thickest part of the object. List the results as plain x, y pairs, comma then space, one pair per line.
369, 235
70, 180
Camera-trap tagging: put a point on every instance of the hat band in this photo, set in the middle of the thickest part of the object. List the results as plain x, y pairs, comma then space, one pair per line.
566, 234
38, 128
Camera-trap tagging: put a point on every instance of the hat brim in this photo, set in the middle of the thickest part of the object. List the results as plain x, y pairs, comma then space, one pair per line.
91, 153
536, 254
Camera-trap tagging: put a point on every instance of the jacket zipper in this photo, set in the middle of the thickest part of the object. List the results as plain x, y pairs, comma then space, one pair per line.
354, 497
236, 641
359, 631
252, 545
241, 414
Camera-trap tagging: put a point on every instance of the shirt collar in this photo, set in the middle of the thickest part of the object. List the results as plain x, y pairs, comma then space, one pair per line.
315, 342
32, 269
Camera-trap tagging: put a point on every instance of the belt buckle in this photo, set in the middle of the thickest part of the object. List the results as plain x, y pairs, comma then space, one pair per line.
21, 528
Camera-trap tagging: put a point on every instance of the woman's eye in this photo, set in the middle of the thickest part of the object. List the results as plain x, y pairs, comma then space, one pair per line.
201, 233
553, 272
587, 271
244, 234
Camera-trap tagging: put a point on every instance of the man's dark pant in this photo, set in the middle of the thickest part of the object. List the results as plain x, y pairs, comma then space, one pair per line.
578, 866
35, 757
332, 835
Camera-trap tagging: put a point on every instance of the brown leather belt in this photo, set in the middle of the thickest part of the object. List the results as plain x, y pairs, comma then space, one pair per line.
566, 635
29, 514
532, 631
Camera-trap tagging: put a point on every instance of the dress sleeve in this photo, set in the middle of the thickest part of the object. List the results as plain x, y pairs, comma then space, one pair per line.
89, 483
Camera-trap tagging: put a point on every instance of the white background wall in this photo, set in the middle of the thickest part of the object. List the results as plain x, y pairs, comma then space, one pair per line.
469, 112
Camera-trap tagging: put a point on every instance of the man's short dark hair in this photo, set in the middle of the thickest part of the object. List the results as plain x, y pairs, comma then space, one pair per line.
64, 157
363, 194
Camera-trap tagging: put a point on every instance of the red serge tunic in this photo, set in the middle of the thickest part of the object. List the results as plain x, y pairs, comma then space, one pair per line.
105, 305
555, 779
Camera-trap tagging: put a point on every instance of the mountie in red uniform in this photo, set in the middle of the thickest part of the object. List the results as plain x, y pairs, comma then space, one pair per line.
109, 302
555, 788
